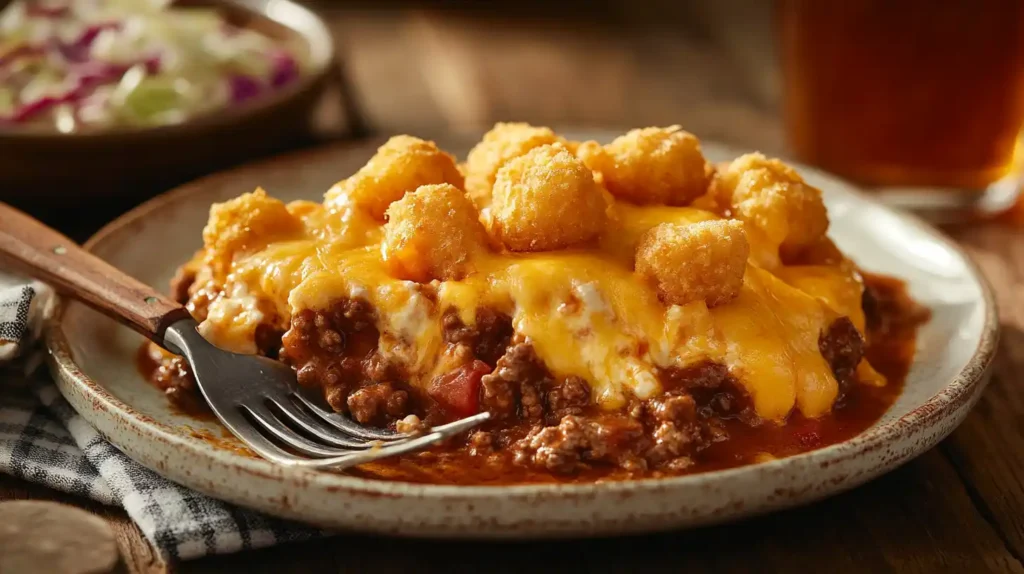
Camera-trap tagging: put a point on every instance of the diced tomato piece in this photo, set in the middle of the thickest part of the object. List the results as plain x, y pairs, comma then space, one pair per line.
458, 391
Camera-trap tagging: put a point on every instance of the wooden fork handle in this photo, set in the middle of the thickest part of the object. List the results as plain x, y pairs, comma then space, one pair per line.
40, 252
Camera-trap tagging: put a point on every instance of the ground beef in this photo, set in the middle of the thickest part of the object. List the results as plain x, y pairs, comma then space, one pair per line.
337, 397
842, 347
572, 397
531, 401
489, 338
455, 331
346, 328
495, 333
195, 298
672, 441
268, 340
330, 329
521, 386
703, 375
336, 349
714, 390
377, 368
480, 443
498, 396
677, 426
539, 420
869, 302
327, 338
182, 281
174, 377
501, 390
665, 432
304, 326
577, 441
376, 403
680, 409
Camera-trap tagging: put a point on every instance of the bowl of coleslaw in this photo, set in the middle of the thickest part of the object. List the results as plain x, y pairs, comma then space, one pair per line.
103, 97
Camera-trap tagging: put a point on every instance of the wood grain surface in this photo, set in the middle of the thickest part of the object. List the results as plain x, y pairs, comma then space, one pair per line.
957, 508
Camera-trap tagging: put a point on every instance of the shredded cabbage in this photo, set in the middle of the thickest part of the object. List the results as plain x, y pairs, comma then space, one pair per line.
77, 64
7, 103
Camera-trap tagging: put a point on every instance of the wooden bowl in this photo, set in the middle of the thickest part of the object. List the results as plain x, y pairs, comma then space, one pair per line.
46, 168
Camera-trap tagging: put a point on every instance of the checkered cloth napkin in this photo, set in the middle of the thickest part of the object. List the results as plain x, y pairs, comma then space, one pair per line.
43, 440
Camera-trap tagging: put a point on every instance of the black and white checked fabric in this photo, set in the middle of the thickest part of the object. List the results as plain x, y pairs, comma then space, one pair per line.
43, 440
23, 304
16, 307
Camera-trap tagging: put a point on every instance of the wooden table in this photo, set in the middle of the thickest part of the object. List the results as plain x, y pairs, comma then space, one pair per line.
957, 508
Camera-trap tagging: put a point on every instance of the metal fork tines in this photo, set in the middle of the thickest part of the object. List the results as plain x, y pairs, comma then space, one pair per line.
259, 401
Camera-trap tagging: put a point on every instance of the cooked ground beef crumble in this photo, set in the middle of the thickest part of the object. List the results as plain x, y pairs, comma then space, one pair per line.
540, 422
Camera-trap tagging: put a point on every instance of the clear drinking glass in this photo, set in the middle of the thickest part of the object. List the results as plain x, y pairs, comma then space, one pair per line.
922, 100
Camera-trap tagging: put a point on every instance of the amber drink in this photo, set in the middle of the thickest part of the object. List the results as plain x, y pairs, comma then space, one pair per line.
905, 93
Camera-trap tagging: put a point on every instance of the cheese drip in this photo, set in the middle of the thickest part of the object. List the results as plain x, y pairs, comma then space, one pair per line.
584, 311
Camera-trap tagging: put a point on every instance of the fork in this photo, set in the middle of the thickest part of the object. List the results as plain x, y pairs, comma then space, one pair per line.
256, 398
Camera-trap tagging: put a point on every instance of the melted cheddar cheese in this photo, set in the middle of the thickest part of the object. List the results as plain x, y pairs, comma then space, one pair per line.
584, 310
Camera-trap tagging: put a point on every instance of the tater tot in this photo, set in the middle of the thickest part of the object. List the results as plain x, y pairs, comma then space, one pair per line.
697, 261
248, 223
504, 142
651, 165
401, 165
432, 233
546, 200
772, 196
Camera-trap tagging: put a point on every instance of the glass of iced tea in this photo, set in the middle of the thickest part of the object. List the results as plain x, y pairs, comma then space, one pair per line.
922, 99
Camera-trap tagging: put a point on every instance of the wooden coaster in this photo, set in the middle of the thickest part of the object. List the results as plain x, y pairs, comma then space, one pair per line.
37, 536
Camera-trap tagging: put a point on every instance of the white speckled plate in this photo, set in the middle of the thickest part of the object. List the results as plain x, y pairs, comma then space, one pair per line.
92, 359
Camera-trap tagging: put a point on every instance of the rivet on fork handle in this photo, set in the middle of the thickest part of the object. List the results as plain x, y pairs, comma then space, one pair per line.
32, 247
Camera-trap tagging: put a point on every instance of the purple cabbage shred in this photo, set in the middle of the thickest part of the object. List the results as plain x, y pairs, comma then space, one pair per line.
284, 69
244, 88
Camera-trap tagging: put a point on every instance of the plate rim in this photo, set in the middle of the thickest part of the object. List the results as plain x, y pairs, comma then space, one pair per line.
960, 393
